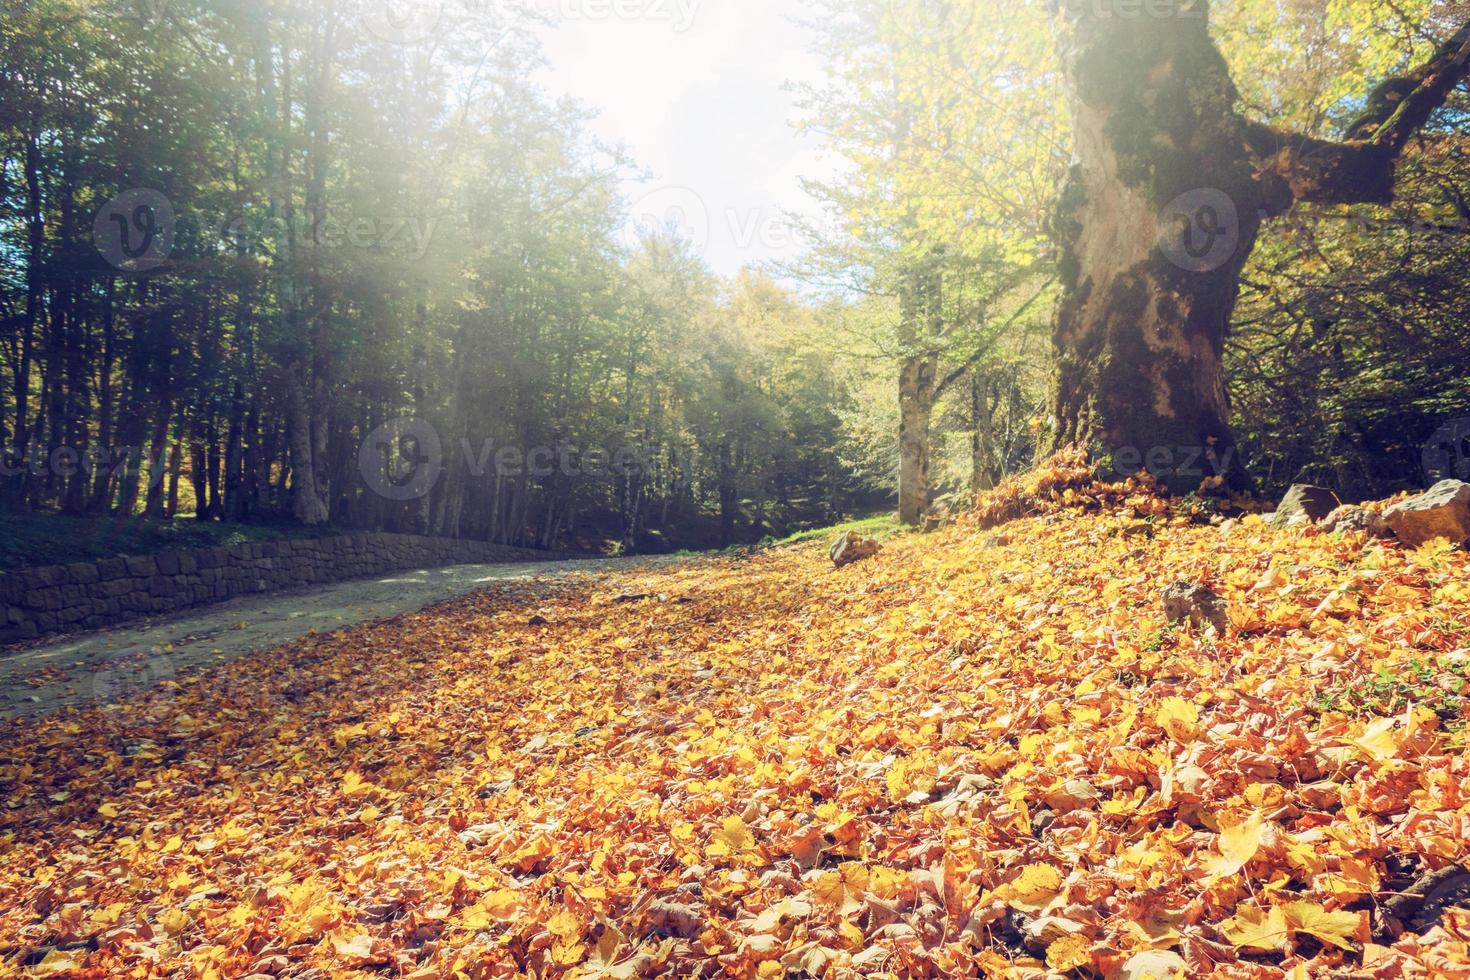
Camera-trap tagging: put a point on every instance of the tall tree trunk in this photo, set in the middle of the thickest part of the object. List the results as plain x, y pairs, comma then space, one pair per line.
915, 409
35, 287
102, 478
234, 478
308, 503
158, 458
983, 466
1160, 213
918, 381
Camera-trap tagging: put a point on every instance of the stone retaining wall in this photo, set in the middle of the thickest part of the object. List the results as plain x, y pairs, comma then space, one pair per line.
65, 598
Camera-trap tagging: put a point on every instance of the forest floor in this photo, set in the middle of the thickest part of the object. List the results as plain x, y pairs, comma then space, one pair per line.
983, 752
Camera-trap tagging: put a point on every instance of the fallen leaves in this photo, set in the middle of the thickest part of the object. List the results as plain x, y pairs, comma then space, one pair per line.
965, 757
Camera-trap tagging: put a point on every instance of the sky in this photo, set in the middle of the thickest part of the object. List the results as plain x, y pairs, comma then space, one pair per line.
694, 90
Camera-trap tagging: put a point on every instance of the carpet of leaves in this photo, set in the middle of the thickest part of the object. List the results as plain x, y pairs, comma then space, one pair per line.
975, 755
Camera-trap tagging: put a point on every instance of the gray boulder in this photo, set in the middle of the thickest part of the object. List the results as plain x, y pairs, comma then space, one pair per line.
1188, 601
1354, 518
1305, 504
1443, 512
852, 547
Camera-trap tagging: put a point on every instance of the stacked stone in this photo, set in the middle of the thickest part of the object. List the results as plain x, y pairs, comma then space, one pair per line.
94, 595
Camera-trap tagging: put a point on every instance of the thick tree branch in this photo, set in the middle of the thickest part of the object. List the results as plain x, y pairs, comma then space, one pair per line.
1360, 169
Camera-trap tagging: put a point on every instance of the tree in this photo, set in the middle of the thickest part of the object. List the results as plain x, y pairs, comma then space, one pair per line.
1163, 208
939, 211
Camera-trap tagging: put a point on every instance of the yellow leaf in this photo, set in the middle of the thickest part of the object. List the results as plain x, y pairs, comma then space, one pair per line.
355, 785
1154, 964
565, 925
1378, 740
733, 837
1179, 718
843, 889
1069, 953
108, 810
1252, 930
1239, 843
1337, 928
1033, 889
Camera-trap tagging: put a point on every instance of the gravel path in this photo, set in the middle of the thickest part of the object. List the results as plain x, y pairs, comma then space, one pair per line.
112, 664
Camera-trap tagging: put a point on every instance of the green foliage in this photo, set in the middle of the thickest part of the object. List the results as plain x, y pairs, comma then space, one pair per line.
369, 231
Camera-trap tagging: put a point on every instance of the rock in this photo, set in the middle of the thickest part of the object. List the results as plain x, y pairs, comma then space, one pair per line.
852, 547
1199, 605
1305, 504
1354, 518
1443, 512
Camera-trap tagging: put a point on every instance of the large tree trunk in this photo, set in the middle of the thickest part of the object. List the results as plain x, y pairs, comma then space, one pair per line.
1159, 216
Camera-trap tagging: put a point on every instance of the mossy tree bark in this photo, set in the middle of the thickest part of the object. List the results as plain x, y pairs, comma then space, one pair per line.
1165, 201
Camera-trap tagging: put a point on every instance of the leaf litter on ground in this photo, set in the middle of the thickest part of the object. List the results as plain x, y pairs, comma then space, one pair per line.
964, 757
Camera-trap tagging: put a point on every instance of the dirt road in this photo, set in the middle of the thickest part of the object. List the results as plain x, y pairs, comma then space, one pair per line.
110, 665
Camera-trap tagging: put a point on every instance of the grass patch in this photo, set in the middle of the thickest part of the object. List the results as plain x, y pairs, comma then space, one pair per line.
1390, 691
879, 528
34, 540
